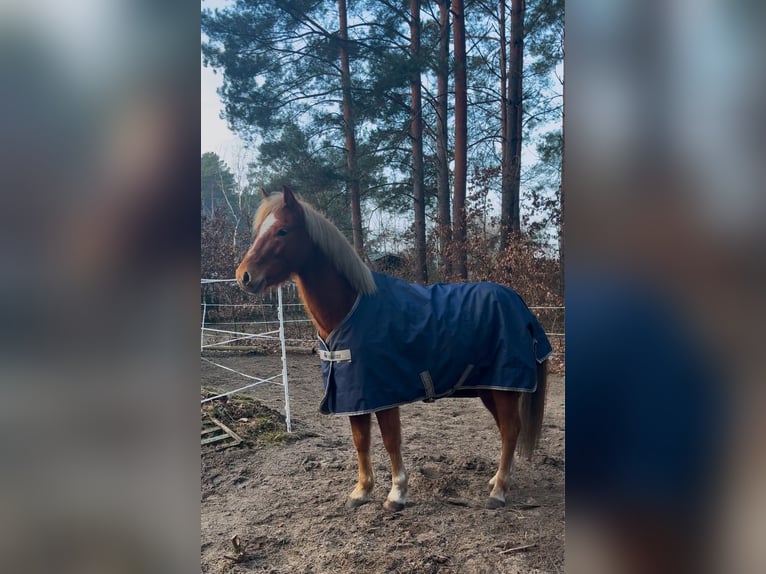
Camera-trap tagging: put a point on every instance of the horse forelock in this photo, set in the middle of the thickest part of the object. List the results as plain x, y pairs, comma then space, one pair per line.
268, 206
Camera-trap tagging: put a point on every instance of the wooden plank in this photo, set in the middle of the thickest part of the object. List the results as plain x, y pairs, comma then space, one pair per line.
214, 430
215, 438
227, 430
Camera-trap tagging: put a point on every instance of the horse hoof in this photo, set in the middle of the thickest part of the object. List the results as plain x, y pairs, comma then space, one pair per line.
393, 506
356, 502
495, 503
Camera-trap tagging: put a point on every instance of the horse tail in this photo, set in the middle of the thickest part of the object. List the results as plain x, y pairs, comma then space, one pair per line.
532, 408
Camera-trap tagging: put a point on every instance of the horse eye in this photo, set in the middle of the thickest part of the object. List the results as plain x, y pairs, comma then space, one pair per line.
282, 232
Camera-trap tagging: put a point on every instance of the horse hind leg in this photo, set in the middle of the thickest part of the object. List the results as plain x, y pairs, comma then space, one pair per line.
360, 431
489, 402
391, 431
488, 399
506, 412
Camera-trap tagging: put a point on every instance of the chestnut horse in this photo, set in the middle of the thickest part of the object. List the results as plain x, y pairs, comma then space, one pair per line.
292, 240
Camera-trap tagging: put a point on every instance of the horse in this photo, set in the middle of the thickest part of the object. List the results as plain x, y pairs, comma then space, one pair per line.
293, 240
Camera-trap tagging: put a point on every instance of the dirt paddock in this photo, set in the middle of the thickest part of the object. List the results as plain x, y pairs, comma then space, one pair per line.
285, 498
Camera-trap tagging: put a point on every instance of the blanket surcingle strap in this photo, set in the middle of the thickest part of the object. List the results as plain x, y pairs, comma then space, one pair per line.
407, 343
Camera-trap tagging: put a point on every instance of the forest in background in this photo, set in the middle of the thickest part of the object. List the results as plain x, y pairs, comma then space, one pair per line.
430, 132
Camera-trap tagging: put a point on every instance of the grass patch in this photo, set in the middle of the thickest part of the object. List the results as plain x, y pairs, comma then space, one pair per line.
257, 424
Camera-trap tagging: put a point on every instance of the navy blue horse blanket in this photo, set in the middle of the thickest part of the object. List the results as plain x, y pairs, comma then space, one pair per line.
407, 343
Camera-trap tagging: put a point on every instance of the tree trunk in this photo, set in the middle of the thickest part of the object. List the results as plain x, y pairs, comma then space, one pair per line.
515, 76
461, 135
349, 130
562, 207
442, 141
505, 193
416, 136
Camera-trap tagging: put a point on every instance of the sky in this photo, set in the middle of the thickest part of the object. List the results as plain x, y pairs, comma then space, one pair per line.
216, 136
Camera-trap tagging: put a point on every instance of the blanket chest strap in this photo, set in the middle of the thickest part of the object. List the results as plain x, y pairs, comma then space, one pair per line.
335, 356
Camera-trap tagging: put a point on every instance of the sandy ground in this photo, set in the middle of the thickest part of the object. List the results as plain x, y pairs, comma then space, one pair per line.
285, 500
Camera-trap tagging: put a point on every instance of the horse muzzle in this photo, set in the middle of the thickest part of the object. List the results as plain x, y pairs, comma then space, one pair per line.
249, 282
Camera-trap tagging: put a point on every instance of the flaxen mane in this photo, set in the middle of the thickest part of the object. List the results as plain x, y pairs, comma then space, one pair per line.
329, 240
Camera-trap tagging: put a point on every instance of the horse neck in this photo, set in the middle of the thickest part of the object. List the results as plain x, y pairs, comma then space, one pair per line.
326, 294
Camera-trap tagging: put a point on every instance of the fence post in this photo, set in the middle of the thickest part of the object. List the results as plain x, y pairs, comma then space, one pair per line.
202, 331
284, 360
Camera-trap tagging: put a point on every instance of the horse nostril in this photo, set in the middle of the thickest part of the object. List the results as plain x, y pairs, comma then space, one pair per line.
246, 278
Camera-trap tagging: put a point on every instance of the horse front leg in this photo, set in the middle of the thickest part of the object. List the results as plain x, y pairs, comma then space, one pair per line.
506, 413
360, 430
391, 431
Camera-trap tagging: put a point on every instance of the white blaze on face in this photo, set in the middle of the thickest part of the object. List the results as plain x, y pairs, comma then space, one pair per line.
266, 225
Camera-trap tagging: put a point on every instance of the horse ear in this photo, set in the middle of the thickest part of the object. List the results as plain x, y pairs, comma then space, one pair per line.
288, 197
264, 193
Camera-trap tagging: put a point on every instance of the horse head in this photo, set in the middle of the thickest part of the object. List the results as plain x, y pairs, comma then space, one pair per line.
281, 246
